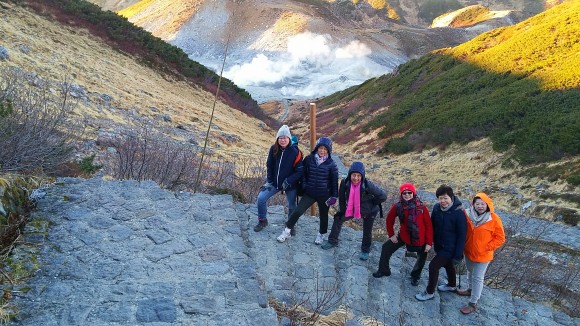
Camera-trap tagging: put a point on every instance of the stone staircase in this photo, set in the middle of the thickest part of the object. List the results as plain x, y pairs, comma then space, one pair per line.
130, 253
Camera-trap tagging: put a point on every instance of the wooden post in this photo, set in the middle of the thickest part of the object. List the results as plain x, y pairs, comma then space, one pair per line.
312, 138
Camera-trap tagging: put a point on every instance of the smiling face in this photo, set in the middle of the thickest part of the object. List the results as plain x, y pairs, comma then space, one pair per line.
322, 151
355, 178
444, 200
283, 141
480, 206
407, 195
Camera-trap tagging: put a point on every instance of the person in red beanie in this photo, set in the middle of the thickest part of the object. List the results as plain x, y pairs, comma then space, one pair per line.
415, 232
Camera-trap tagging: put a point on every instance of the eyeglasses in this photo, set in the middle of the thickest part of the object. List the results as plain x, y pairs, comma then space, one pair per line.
407, 193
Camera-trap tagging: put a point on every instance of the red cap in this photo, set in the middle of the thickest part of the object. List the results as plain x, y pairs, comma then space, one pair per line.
409, 187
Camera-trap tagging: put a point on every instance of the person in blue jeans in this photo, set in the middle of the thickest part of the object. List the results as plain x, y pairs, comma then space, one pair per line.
284, 170
320, 183
358, 198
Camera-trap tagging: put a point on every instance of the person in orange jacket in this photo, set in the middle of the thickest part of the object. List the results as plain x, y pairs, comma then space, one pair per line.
485, 234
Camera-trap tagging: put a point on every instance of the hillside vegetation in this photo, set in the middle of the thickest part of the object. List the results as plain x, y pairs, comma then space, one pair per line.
126, 37
519, 86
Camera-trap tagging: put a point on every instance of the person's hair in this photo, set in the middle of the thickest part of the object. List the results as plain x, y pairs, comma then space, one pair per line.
444, 190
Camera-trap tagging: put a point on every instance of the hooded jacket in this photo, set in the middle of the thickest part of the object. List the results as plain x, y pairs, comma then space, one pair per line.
370, 194
320, 181
449, 230
484, 239
423, 221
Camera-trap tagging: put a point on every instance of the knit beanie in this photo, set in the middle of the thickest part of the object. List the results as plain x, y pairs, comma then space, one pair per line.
409, 187
284, 131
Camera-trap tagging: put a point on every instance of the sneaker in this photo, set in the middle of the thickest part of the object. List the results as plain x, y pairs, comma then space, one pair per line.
364, 256
424, 296
414, 281
464, 293
379, 274
320, 238
261, 225
284, 236
327, 245
471, 307
446, 288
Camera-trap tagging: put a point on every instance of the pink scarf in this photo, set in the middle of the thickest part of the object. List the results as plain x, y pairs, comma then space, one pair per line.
353, 204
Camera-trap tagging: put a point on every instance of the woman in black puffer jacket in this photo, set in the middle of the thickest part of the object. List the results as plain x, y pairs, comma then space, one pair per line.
320, 183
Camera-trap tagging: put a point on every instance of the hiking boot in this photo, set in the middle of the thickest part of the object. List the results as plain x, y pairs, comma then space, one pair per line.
446, 288
379, 274
261, 225
327, 245
293, 231
284, 236
364, 256
464, 293
320, 238
424, 296
414, 281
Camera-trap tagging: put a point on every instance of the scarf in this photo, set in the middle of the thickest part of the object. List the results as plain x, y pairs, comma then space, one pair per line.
319, 159
477, 219
353, 203
412, 218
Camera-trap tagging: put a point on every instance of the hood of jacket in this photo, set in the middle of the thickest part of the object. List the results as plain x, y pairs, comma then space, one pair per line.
356, 167
323, 141
487, 200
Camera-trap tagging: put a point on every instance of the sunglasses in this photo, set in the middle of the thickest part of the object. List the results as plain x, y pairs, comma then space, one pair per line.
407, 193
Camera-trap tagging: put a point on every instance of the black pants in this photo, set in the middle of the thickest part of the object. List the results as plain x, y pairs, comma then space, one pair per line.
367, 239
389, 248
304, 203
434, 266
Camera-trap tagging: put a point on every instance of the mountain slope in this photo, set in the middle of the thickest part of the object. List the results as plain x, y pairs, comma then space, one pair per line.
115, 87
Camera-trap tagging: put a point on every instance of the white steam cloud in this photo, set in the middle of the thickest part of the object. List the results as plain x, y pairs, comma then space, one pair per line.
311, 67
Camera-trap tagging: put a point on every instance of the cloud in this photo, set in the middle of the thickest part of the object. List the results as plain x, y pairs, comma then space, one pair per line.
312, 66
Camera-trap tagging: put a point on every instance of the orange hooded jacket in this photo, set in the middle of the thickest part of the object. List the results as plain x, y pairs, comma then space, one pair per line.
483, 240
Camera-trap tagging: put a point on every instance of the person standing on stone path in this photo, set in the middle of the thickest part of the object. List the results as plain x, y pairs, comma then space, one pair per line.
449, 231
415, 232
320, 183
485, 234
284, 170
358, 198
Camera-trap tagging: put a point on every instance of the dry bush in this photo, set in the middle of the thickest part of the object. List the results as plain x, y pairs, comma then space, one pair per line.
37, 128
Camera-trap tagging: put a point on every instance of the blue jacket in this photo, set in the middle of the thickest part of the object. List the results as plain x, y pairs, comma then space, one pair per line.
280, 167
320, 181
449, 230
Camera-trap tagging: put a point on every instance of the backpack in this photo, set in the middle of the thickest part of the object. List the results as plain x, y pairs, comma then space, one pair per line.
299, 158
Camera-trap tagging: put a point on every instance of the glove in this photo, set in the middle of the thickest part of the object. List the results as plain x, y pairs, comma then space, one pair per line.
285, 185
266, 186
456, 261
331, 201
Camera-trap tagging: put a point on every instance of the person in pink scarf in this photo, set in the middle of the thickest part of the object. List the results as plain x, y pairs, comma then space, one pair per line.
358, 198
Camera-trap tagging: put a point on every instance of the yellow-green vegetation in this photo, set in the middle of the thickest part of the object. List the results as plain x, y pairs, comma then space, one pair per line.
377, 4
14, 195
392, 13
518, 85
134, 9
470, 16
430, 9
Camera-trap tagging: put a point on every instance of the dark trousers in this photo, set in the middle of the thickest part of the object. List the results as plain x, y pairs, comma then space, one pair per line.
434, 267
305, 203
367, 239
389, 248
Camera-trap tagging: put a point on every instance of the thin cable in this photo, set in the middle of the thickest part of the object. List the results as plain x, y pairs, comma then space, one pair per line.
212, 110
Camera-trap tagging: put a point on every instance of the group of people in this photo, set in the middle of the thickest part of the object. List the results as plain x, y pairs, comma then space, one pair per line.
451, 230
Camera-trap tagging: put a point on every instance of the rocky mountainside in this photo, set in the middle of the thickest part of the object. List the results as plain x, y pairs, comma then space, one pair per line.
307, 49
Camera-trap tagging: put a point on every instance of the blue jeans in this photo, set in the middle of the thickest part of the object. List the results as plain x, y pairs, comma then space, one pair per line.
264, 195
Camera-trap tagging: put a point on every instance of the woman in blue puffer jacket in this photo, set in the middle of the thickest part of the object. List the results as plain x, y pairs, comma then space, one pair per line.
320, 183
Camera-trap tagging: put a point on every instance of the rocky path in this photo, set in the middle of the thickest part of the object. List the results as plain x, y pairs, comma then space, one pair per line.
129, 253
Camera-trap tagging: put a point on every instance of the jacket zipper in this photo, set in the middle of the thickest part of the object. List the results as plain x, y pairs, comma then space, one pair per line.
279, 165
